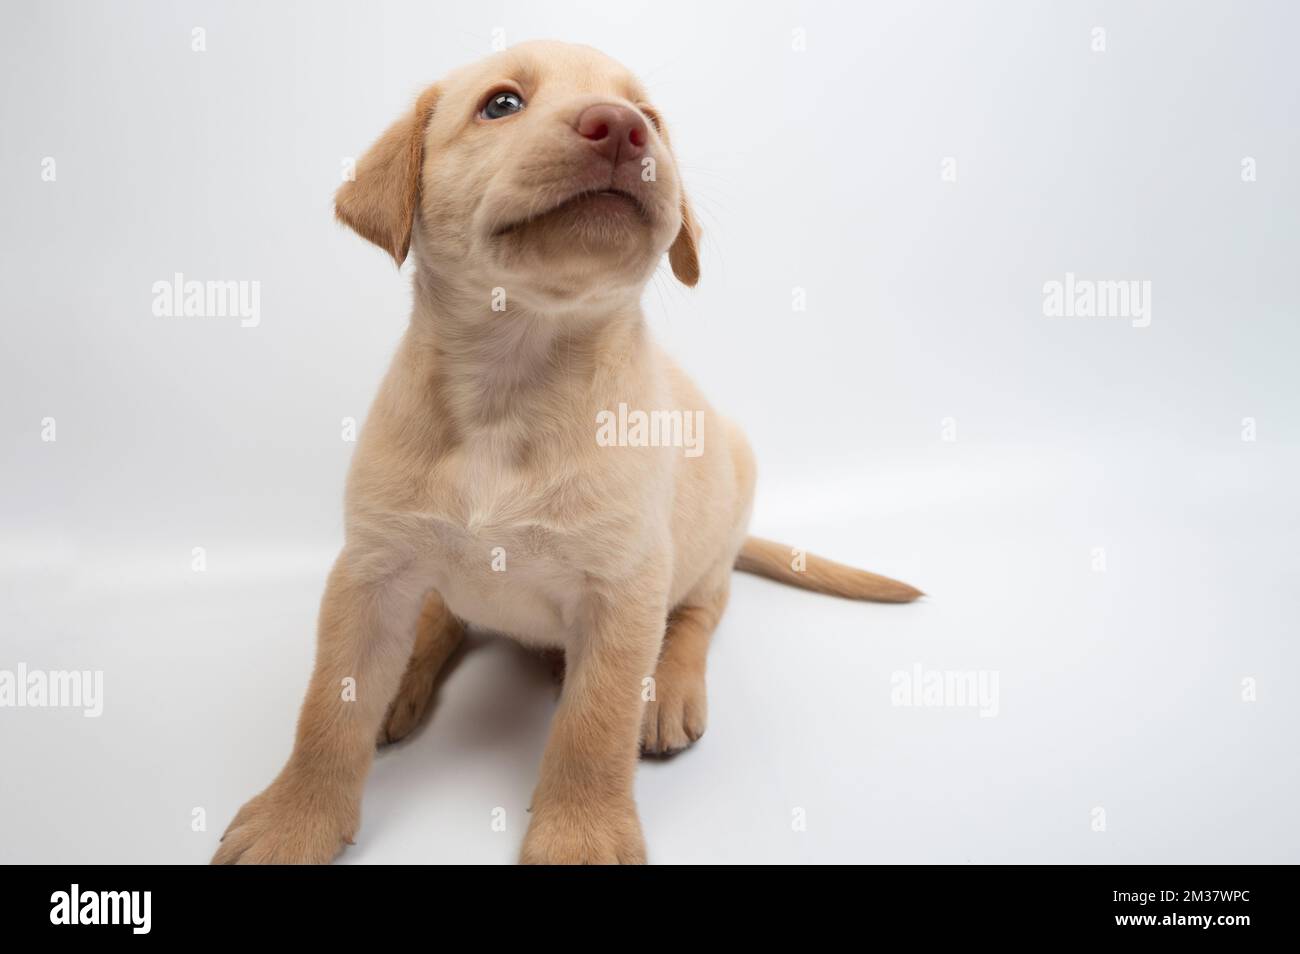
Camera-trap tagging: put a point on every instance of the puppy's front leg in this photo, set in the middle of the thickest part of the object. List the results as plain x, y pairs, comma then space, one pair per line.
367, 628
583, 809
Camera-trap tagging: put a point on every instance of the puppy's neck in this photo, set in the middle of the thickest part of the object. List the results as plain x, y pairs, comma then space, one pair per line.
487, 364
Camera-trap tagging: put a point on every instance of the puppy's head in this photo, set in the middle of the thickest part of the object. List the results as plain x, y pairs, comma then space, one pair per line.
542, 169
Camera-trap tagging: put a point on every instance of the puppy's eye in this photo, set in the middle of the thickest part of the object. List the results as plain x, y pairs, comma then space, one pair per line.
501, 105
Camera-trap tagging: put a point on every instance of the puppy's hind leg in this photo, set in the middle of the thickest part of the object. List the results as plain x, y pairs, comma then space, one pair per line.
679, 711
437, 636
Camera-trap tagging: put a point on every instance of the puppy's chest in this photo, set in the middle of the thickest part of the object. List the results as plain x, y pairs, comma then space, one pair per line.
511, 549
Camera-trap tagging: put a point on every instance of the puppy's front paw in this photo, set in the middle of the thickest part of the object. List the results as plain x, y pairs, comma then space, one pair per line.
289, 824
565, 835
678, 714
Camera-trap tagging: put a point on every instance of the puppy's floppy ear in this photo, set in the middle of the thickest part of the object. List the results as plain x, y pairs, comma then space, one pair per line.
379, 204
684, 253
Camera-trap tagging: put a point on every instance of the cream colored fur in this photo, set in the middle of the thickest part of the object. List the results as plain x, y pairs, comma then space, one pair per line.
479, 493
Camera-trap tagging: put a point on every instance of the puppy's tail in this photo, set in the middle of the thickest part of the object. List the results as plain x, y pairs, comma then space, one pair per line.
778, 562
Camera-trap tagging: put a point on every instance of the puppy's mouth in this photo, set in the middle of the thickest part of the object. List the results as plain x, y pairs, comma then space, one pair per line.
604, 203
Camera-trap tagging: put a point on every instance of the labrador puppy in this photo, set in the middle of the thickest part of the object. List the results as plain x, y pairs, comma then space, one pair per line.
533, 463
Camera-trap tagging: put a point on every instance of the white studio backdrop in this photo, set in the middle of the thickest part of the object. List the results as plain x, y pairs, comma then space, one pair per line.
1102, 509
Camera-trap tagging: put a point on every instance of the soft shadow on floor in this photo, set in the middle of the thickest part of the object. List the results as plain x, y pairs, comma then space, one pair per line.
485, 733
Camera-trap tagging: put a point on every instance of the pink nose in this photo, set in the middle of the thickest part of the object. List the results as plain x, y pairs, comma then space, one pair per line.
615, 132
